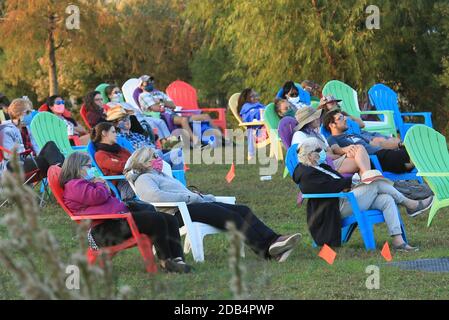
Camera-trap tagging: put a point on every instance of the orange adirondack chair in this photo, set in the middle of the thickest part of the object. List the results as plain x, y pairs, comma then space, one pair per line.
140, 240
184, 95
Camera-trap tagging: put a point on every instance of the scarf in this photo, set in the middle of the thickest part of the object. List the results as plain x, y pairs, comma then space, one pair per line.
114, 148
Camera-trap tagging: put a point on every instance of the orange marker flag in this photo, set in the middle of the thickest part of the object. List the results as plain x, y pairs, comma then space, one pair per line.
327, 254
386, 252
186, 167
231, 174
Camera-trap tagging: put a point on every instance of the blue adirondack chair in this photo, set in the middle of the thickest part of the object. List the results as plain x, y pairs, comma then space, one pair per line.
304, 96
365, 220
354, 128
383, 97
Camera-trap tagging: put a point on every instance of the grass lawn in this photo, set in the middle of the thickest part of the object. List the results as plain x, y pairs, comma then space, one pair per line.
303, 276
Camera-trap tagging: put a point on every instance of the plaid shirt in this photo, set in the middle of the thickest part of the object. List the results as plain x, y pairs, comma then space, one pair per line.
137, 140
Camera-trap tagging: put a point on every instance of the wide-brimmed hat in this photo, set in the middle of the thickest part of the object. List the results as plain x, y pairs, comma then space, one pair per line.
328, 99
116, 112
373, 175
306, 115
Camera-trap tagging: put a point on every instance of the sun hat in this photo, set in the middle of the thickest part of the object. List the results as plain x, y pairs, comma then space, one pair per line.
115, 112
306, 115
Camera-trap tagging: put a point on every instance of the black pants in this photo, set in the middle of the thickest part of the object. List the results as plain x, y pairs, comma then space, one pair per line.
49, 155
393, 160
163, 229
257, 235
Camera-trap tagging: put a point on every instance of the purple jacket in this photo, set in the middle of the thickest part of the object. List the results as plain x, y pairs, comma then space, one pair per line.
83, 198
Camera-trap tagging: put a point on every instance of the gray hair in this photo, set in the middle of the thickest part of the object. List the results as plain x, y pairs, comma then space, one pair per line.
71, 169
137, 163
308, 146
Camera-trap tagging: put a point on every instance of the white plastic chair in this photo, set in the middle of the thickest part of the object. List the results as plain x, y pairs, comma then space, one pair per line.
194, 231
128, 91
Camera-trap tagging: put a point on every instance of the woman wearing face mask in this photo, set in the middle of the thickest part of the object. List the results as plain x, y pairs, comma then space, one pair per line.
20, 112
115, 97
375, 193
309, 121
122, 124
86, 195
56, 106
93, 103
144, 170
110, 157
291, 93
284, 108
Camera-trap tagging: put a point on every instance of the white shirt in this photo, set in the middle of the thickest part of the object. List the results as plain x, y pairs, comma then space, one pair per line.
300, 136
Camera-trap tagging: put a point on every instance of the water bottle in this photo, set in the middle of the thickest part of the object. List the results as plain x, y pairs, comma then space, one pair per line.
265, 178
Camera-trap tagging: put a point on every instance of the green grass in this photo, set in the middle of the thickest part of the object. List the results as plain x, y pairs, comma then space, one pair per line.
303, 276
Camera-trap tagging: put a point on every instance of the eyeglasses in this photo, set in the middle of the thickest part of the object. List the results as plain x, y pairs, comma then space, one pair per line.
116, 92
89, 165
340, 117
318, 150
59, 102
27, 112
293, 95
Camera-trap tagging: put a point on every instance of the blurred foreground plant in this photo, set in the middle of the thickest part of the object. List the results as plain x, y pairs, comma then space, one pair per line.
32, 255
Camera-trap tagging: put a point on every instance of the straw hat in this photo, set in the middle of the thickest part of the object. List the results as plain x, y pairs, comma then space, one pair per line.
116, 112
306, 115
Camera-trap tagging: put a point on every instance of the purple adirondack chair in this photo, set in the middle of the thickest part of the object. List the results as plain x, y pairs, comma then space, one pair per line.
286, 130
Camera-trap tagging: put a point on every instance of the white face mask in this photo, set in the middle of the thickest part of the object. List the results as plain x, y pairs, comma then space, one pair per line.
116, 97
293, 100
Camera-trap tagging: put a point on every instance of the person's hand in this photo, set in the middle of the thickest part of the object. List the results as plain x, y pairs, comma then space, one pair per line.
350, 151
98, 179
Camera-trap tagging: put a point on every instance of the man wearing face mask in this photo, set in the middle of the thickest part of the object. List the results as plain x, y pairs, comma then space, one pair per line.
11, 137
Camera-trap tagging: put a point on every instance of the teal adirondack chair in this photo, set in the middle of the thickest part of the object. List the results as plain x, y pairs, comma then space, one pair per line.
47, 127
428, 151
383, 97
350, 105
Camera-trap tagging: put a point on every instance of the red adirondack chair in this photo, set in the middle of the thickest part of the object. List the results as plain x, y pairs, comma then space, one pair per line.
140, 240
83, 114
184, 95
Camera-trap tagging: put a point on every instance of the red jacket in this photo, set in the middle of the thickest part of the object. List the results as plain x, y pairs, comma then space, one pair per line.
112, 164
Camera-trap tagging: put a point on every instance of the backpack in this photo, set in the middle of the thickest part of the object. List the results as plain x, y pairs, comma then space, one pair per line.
412, 189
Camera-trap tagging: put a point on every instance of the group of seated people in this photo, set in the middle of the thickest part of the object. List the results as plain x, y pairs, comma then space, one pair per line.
325, 165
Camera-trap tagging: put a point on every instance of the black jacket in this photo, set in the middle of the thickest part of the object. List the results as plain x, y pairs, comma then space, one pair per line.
323, 215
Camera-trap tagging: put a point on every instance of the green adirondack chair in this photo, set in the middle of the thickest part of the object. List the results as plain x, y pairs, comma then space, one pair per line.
350, 105
428, 151
271, 120
47, 127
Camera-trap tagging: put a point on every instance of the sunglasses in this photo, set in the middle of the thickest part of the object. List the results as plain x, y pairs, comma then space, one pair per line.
59, 102
293, 95
318, 150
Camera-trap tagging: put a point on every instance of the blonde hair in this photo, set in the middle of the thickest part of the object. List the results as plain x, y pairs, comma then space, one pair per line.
139, 160
18, 106
306, 149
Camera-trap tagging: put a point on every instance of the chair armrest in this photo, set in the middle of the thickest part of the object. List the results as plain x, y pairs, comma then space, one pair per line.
433, 174
101, 217
348, 195
415, 114
107, 178
383, 112
252, 124
79, 148
228, 200
167, 204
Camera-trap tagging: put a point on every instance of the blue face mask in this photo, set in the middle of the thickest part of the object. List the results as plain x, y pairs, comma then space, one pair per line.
28, 118
149, 87
322, 157
90, 174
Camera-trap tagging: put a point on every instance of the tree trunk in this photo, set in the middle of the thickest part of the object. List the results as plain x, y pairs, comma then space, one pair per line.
51, 51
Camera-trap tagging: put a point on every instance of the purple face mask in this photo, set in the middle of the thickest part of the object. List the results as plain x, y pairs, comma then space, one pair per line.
157, 164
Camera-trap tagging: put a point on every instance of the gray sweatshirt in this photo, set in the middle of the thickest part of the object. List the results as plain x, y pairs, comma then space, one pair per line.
159, 187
